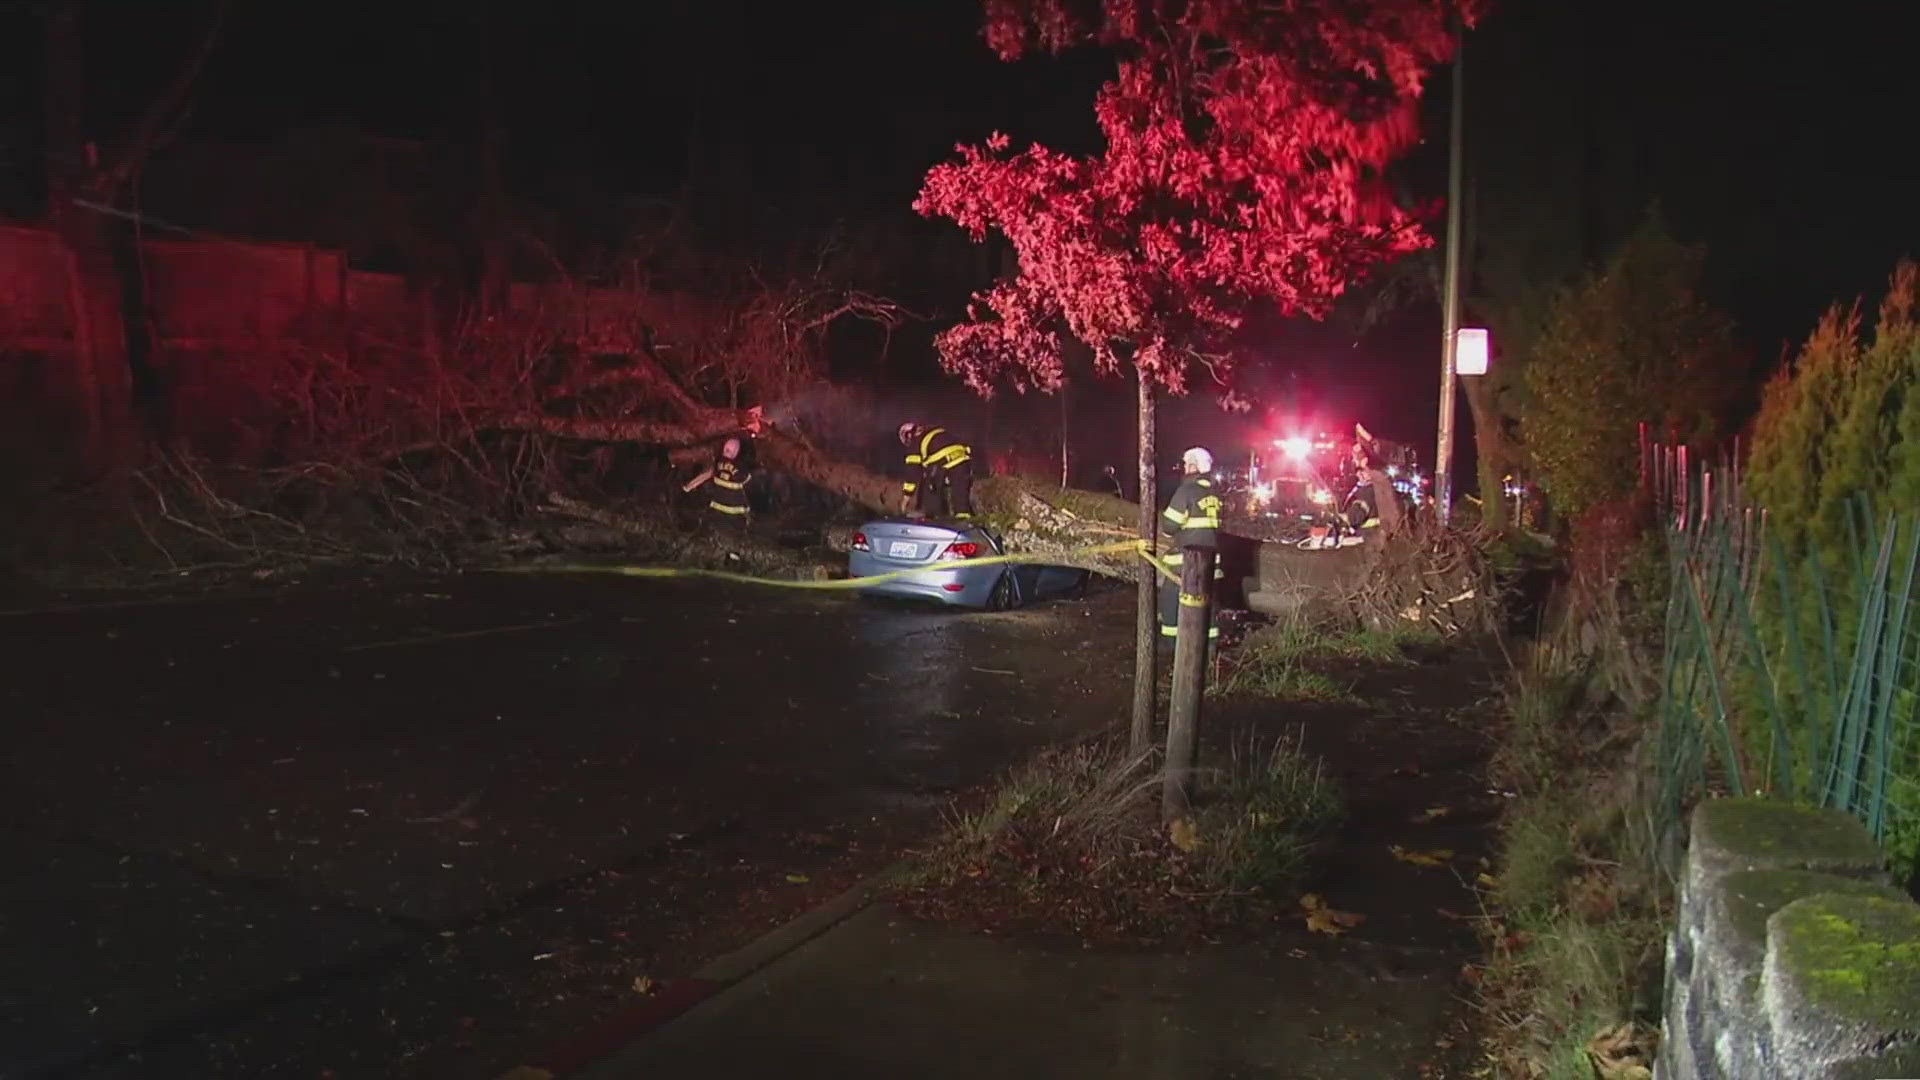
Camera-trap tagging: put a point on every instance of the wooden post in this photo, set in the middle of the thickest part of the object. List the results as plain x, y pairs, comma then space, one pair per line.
1147, 609
1189, 679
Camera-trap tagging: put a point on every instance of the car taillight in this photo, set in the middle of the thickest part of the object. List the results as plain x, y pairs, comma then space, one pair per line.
963, 549
860, 542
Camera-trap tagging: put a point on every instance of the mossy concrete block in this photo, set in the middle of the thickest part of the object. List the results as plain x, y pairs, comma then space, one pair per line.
1841, 986
1730, 835
1738, 907
1732, 953
1746, 860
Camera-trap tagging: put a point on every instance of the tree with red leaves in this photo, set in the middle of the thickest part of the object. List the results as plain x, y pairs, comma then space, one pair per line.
1245, 150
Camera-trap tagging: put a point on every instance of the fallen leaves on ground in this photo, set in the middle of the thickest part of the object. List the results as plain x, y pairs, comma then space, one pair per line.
1322, 919
1437, 857
1432, 813
1624, 1052
1183, 834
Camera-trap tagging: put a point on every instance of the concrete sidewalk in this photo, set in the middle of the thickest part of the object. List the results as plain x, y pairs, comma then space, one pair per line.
884, 995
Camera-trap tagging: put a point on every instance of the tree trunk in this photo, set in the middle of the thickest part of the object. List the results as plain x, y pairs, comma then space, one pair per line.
779, 449
800, 458
1489, 450
1066, 475
1146, 616
96, 389
99, 386
492, 208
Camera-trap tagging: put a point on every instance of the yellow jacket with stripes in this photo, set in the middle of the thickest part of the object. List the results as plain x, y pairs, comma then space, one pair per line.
936, 451
1192, 516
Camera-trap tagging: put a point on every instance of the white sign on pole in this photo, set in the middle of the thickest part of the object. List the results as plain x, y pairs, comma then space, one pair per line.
1470, 351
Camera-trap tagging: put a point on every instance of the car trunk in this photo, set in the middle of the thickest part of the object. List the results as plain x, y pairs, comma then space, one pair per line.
908, 543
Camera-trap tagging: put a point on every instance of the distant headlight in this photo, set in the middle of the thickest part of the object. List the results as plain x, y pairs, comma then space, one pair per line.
1320, 496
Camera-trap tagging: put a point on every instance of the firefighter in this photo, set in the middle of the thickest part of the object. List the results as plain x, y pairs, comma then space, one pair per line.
939, 473
727, 505
1370, 472
1191, 519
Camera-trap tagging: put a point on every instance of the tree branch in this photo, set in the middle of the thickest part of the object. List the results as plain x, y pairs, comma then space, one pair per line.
158, 122
592, 429
862, 305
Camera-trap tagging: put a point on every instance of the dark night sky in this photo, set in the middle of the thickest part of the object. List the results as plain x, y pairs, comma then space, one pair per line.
1776, 137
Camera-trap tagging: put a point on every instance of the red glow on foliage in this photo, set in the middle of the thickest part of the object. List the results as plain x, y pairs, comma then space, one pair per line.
1245, 151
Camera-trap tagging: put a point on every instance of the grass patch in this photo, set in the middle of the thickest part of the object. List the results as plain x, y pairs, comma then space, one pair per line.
1298, 659
1536, 856
1283, 680
1575, 918
1259, 832
1560, 980
1072, 842
1542, 705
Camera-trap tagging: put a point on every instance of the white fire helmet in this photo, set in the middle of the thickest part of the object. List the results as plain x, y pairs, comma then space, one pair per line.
730, 449
906, 431
1197, 460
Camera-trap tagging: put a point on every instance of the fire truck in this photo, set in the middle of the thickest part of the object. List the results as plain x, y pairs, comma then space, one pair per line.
1309, 483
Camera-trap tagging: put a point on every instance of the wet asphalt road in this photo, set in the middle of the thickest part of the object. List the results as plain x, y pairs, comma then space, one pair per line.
214, 807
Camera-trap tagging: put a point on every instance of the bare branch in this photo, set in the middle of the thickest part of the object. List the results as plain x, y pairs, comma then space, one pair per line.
613, 430
159, 123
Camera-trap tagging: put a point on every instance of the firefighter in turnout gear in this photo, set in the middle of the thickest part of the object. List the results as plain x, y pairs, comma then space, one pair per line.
1191, 519
939, 474
727, 505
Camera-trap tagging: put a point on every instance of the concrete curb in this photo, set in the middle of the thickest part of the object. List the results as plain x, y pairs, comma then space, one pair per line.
771, 946
629, 1025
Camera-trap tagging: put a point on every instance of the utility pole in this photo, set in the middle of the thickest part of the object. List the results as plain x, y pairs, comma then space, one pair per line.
1450, 302
1190, 649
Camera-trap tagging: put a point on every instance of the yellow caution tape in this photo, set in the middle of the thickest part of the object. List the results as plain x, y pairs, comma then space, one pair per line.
1114, 548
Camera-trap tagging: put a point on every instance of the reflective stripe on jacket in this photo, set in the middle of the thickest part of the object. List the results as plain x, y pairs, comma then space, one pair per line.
729, 487
1192, 516
937, 450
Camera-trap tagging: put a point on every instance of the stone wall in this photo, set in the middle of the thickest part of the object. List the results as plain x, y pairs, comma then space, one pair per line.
1791, 957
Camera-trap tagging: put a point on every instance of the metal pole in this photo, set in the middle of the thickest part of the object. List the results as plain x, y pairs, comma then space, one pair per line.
1189, 680
1450, 302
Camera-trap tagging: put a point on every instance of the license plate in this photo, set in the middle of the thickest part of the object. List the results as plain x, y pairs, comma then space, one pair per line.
901, 549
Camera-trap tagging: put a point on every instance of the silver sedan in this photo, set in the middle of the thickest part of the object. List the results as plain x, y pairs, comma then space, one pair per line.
943, 558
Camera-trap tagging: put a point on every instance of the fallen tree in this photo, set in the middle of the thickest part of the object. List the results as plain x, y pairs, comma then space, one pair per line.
354, 446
